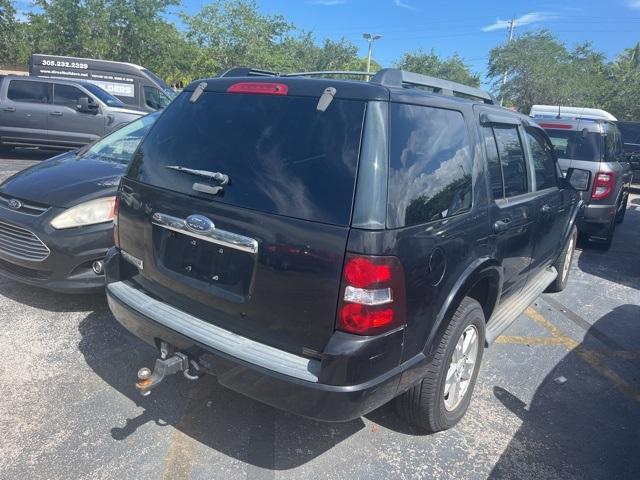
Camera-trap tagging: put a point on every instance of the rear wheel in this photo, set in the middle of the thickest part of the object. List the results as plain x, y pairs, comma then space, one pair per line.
605, 243
441, 399
563, 263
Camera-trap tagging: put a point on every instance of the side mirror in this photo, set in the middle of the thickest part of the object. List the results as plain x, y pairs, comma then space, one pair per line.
86, 106
579, 179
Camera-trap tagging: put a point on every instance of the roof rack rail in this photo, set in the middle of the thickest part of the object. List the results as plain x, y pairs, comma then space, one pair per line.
248, 72
394, 77
328, 72
388, 77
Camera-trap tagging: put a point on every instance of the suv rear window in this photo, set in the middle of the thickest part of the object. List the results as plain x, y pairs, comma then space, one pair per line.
282, 156
576, 145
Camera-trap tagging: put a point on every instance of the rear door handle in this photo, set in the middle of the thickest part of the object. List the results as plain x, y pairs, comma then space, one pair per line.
501, 226
56, 114
9, 109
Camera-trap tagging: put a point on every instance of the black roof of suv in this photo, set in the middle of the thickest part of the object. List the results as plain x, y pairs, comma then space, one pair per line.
326, 245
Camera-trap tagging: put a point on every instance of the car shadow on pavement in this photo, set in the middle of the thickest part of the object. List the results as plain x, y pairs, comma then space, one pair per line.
29, 154
49, 301
621, 263
207, 413
586, 427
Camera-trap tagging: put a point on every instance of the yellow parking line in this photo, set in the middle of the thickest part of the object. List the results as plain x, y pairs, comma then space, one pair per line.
593, 358
529, 340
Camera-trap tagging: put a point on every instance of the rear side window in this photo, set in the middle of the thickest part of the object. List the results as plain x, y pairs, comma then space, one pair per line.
281, 154
66, 95
493, 162
613, 143
430, 165
27, 91
544, 161
511, 153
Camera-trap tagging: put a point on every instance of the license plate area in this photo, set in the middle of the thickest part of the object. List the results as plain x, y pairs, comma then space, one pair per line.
205, 261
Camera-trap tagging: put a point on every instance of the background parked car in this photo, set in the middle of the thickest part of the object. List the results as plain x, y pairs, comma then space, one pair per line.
57, 113
56, 217
631, 141
136, 86
589, 139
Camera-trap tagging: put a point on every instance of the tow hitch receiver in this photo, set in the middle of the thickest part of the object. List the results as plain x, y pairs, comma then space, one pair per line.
147, 379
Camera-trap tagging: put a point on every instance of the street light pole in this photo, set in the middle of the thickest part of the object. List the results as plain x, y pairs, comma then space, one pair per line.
370, 38
512, 24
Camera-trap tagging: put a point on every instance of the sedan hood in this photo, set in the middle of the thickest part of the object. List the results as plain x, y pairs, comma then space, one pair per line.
66, 180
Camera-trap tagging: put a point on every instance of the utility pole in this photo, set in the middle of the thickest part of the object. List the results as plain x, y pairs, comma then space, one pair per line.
370, 38
512, 23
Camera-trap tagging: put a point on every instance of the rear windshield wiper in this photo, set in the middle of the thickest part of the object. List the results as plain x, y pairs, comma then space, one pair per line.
221, 178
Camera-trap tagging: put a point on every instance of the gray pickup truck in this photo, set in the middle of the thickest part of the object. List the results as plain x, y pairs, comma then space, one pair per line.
57, 113
595, 145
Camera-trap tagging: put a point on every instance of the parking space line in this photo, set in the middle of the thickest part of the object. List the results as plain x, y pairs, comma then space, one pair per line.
524, 340
593, 358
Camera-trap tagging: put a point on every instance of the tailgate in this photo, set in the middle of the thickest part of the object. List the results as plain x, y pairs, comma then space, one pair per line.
262, 256
284, 294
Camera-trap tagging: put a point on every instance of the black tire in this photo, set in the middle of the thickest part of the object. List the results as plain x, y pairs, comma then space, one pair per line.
565, 258
423, 406
622, 212
605, 243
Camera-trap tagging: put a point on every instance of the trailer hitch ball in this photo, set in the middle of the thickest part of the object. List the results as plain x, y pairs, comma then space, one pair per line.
148, 379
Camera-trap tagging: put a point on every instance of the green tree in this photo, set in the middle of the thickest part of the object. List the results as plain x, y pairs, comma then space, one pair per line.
623, 88
232, 33
13, 48
541, 70
452, 68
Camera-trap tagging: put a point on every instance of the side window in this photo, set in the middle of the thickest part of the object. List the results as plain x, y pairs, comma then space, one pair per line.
28, 91
612, 143
154, 98
430, 166
493, 161
67, 95
514, 169
544, 162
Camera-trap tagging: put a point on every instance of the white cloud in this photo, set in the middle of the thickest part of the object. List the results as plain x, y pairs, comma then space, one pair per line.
327, 3
635, 4
527, 18
401, 4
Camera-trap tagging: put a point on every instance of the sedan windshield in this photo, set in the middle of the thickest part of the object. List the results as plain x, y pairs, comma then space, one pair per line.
121, 144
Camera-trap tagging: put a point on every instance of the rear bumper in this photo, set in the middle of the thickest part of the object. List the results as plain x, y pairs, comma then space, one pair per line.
308, 387
596, 218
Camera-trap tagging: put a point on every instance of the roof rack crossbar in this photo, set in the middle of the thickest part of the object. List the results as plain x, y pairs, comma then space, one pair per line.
393, 77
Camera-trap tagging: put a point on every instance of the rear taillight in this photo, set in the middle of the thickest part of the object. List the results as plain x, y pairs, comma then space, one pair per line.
116, 208
603, 184
372, 296
261, 88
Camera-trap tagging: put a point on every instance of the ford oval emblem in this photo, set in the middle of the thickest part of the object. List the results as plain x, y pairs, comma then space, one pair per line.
14, 204
199, 224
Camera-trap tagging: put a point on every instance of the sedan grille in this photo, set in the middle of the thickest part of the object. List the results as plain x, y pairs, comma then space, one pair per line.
21, 243
22, 206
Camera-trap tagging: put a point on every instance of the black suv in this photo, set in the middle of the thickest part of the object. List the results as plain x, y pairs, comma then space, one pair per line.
324, 246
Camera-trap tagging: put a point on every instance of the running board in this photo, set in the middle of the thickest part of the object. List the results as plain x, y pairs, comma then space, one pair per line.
506, 313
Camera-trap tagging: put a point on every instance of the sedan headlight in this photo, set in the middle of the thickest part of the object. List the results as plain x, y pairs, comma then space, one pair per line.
88, 213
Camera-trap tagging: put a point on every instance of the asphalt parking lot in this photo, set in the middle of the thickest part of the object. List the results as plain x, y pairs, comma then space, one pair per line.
69, 408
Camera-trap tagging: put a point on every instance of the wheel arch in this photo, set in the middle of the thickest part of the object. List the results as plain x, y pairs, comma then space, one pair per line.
481, 280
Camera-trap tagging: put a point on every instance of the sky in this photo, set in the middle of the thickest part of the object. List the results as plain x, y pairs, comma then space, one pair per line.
470, 28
